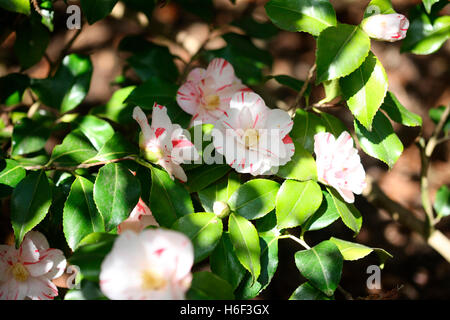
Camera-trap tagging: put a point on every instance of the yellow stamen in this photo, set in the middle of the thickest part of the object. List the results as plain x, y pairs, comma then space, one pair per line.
152, 280
19, 272
212, 102
251, 137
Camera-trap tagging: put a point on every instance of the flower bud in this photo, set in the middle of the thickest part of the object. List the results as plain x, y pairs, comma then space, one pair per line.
221, 209
386, 27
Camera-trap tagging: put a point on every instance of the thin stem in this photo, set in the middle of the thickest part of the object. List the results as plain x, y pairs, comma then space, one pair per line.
303, 88
298, 240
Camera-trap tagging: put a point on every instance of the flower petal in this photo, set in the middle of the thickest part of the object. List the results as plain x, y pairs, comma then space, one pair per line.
221, 71
188, 97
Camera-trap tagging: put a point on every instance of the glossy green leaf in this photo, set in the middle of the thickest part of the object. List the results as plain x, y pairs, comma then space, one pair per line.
365, 89
310, 16
32, 39
355, 251
11, 172
115, 148
398, 113
306, 125
333, 124
225, 263
249, 289
340, 51
378, 7
255, 198
382, 142
441, 203
151, 91
69, 86
80, 216
90, 254
220, 191
245, 240
116, 193
74, 150
203, 176
97, 10
204, 229
301, 167
169, 200
321, 265
98, 131
116, 109
296, 202
30, 136
207, 286
20, 6
348, 212
307, 292
426, 34
324, 216
30, 202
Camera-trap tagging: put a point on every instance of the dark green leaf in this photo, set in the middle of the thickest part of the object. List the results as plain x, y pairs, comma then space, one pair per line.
398, 113
21, 6
97, 10
80, 216
12, 87
256, 29
306, 125
324, 216
436, 114
116, 193
169, 200
442, 202
30, 202
321, 265
207, 286
201, 177
255, 198
70, 85
98, 131
245, 240
307, 292
11, 173
348, 212
74, 150
225, 263
30, 136
115, 148
382, 142
116, 109
333, 124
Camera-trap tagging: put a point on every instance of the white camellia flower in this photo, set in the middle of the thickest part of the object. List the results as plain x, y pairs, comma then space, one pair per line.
164, 143
28, 272
254, 138
386, 27
207, 92
152, 265
140, 218
339, 165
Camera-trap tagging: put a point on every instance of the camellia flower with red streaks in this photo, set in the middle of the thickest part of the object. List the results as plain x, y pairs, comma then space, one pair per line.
164, 143
27, 273
387, 27
152, 265
339, 165
254, 138
140, 218
207, 92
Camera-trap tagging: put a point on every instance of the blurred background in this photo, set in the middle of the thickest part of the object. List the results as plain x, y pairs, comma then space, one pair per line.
419, 82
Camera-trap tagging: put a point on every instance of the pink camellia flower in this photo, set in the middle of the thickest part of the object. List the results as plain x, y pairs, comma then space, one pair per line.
386, 27
28, 272
164, 143
140, 218
253, 138
339, 165
152, 265
207, 93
